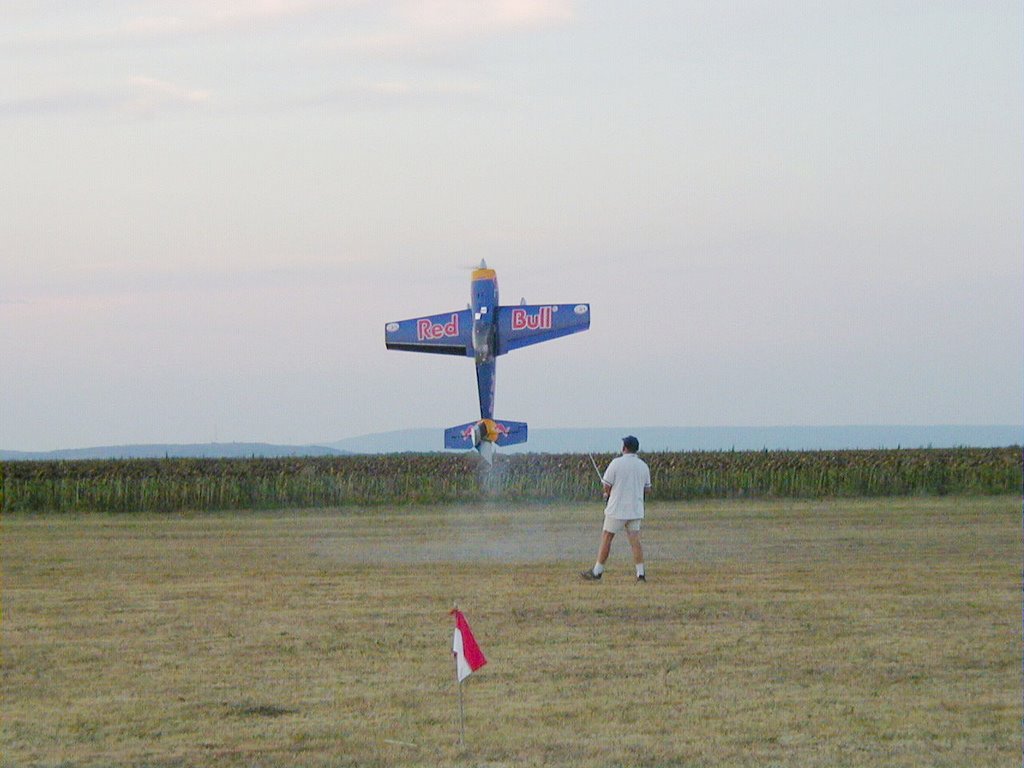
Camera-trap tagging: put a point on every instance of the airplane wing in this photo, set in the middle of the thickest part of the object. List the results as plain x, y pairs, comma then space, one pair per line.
519, 326
450, 333
469, 435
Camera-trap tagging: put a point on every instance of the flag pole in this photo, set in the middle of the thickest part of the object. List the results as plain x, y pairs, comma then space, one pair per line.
462, 710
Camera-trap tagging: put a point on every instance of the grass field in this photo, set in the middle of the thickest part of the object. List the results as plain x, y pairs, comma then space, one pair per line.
834, 633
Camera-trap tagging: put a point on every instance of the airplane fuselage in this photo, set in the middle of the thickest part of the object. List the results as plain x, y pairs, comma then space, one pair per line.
484, 304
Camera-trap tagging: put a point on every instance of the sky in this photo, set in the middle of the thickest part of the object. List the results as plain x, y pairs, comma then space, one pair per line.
781, 213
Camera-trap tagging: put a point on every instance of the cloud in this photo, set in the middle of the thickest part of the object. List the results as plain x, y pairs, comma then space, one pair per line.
462, 18
381, 20
344, 39
394, 92
144, 96
127, 280
220, 15
138, 95
62, 103
158, 20
448, 19
150, 95
423, 26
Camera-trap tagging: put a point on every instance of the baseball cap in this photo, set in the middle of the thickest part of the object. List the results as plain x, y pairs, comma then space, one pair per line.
631, 443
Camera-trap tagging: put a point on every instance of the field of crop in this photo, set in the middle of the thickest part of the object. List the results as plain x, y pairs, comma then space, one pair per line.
162, 485
867, 632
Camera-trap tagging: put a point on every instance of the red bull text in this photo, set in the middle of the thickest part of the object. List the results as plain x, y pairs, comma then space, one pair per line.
523, 321
426, 330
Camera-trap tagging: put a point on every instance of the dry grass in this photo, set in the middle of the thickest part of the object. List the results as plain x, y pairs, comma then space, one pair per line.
874, 633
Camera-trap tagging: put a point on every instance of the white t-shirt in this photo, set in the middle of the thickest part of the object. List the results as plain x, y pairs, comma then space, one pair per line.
628, 475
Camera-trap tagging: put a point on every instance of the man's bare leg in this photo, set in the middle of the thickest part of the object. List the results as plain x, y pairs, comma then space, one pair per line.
602, 555
638, 552
605, 548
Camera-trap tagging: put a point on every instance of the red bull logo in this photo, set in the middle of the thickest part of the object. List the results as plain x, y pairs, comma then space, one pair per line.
524, 321
426, 329
491, 430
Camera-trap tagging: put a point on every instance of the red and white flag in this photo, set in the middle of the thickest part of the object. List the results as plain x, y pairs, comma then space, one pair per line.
468, 656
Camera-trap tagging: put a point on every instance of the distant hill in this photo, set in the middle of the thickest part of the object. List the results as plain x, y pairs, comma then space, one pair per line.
159, 451
607, 439
597, 440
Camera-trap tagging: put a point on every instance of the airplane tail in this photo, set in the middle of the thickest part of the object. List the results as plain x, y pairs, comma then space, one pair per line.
472, 434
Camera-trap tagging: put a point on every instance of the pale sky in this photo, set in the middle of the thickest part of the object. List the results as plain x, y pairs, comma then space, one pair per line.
782, 213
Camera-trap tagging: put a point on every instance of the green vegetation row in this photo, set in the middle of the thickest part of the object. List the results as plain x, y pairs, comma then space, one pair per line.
165, 485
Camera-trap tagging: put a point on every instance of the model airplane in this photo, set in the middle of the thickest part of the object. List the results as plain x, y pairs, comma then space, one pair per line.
483, 331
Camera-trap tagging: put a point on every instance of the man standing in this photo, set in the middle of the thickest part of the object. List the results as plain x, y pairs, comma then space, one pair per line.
625, 481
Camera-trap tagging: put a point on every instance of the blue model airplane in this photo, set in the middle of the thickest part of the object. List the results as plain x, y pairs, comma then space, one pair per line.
483, 331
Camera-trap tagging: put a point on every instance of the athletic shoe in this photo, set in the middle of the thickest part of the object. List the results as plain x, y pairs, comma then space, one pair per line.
589, 575
641, 578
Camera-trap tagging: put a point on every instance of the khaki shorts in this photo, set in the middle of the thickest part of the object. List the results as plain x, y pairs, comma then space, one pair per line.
614, 525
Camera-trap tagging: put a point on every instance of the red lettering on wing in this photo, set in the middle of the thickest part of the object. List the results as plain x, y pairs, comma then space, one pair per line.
427, 330
523, 321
